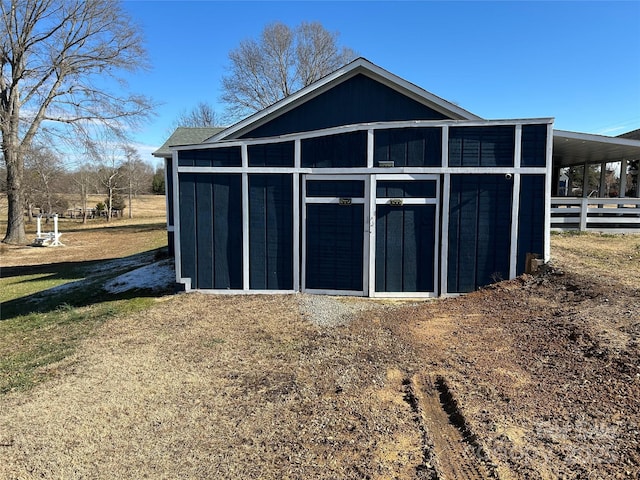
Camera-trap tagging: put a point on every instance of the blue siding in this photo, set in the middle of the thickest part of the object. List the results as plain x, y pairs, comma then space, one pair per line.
211, 230
334, 151
405, 241
481, 146
534, 145
334, 246
530, 219
271, 231
409, 147
271, 155
187, 209
479, 231
168, 192
210, 157
168, 189
357, 100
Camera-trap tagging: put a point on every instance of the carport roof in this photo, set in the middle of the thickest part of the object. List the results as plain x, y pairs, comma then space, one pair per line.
573, 148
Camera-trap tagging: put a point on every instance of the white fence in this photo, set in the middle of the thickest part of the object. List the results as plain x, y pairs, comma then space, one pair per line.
614, 215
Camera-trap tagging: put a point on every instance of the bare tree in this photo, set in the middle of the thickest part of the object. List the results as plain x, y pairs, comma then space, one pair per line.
202, 115
84, 179
136, 174
281, 62
43, 168
55, 59
110, 177
106, 152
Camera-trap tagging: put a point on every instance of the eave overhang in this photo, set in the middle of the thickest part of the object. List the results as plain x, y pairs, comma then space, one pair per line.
574, 148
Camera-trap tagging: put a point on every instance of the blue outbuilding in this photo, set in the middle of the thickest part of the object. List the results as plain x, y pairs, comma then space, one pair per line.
360, 184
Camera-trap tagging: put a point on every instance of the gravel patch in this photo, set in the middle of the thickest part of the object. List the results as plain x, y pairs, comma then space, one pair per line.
334, 311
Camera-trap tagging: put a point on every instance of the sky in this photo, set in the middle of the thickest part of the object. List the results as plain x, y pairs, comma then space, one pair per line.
575, 61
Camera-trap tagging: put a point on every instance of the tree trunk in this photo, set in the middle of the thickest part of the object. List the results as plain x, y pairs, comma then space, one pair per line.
109, 203
84, 205
15, 216
130, 211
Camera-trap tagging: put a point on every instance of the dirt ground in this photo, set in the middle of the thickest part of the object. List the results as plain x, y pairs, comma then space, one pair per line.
538, 377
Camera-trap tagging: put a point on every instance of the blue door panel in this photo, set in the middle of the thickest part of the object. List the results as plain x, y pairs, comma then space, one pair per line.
334, 246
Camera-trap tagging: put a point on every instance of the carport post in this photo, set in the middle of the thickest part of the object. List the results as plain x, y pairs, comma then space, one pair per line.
603, 182
623, 178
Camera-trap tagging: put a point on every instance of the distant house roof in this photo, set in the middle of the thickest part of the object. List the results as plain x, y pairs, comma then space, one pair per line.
358, 66
634, 135
185, 136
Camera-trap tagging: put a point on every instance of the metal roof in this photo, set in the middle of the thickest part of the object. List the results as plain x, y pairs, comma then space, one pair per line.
573, 148
185, 136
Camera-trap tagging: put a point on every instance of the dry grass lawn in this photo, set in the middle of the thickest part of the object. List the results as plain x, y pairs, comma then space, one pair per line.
539, 377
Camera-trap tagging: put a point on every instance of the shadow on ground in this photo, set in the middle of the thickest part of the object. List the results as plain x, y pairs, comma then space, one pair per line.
86, 290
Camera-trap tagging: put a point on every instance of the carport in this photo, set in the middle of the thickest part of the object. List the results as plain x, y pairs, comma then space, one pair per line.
595, 182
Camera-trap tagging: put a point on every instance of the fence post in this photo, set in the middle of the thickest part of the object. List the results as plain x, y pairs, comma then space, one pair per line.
584, 207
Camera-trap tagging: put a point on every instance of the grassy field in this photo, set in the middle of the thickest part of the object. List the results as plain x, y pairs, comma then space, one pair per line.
532, 378
38, 330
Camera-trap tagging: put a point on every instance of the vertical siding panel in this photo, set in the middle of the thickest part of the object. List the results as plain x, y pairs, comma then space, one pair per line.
468, 239
227, 231
168, 191
234, 220
257, 233
426, 237
221, 228
479, 231
334, 246
398, 151
410, 257
204, 232
394, 252
188, 250
281, 234
502, 221
416, 154
357, 247
271, 231
381, 248
405, 239
485, 231
530, 219
453, 257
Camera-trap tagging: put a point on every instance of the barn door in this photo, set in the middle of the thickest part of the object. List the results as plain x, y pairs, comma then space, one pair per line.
407, 228
334, 238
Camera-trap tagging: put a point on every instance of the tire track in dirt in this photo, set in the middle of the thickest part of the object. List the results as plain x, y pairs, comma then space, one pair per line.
451, 451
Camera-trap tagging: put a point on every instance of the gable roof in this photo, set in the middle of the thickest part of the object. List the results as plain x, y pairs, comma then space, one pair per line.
358, 66
185, 136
